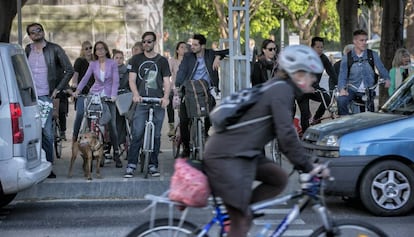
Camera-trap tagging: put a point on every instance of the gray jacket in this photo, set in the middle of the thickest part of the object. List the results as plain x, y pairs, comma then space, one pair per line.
59, 67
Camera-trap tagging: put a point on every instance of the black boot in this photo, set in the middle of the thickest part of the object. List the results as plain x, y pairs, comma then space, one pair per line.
118, 162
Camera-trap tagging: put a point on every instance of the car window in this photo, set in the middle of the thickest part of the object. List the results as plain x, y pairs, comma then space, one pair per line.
402, 101
24, 80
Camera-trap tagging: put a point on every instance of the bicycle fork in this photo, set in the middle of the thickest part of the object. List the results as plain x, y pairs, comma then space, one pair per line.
148, 145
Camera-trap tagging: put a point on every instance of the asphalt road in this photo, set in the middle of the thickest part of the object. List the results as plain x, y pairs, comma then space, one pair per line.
109, 218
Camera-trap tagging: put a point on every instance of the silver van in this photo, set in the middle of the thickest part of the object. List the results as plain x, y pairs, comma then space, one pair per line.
22, 161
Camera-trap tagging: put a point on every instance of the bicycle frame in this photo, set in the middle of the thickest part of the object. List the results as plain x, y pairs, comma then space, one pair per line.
149, 134
311, 191
366, 102
332, 108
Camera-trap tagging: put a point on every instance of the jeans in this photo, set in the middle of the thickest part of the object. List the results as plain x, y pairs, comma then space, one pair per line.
80, 109
48, 135
138, 130
345, 100
113, 133
170, 109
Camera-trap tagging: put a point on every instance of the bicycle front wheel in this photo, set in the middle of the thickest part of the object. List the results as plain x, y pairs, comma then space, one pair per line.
163, 228
350, 228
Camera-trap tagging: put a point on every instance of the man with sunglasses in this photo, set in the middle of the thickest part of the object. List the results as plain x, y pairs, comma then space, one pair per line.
361, 74
52, 70
198, 64
149, 77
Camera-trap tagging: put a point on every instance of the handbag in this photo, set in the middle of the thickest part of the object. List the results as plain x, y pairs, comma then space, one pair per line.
189, 185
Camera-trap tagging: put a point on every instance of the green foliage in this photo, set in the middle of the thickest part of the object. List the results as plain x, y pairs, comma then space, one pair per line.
330, 27
183, 18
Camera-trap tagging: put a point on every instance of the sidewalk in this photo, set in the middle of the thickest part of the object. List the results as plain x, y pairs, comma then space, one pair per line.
112, 185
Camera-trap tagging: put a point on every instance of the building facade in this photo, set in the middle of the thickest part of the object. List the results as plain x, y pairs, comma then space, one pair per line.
119, 23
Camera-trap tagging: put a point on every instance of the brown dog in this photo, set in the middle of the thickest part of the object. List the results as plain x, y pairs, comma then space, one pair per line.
91, 149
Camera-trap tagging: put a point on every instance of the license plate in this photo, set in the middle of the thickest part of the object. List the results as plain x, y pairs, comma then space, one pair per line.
31, 152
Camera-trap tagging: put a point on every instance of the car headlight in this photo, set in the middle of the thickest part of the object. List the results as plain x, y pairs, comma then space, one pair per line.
330, 140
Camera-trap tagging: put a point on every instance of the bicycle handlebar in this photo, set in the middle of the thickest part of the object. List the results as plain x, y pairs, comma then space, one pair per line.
151, 100
379, 82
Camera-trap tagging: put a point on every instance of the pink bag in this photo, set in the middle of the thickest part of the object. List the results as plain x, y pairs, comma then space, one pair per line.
189, 185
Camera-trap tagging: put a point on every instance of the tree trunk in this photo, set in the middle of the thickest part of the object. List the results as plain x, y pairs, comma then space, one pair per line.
347, 11
410, 27
8, 10
391, 37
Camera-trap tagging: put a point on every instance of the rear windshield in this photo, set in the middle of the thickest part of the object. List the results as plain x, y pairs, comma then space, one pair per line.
24, 80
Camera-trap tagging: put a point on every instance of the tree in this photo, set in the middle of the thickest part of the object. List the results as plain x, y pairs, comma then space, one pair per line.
392, 35
8, 10
409, 10
347, 10
303, 15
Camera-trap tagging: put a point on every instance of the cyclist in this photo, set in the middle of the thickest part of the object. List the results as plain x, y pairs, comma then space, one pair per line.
361, 74
149, 77
231, 172
199, 63
105, 71
317, 44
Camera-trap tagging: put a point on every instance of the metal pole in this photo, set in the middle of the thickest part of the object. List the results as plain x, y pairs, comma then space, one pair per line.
19, 22
282, 33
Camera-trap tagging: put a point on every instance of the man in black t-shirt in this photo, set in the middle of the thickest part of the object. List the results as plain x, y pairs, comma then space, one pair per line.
149, 77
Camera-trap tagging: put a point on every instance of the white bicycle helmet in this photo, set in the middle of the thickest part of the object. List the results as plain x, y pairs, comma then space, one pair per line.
300, 58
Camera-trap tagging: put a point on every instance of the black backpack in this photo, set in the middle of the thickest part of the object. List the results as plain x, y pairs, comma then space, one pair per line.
370, 60
226, 115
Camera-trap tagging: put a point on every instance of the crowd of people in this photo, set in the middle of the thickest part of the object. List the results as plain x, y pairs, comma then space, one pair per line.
149, 74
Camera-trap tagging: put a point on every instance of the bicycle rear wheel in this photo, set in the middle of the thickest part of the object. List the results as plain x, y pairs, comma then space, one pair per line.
350, 228
58, 139
163, 228
176, 142
197, 139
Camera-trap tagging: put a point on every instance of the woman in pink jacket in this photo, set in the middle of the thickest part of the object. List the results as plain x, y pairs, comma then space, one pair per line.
105, 72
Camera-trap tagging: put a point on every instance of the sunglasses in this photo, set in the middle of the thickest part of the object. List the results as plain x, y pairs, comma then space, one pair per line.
147, 41
35, 31
271, 49
88, 48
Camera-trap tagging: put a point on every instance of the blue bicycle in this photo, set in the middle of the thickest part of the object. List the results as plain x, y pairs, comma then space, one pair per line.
310, 192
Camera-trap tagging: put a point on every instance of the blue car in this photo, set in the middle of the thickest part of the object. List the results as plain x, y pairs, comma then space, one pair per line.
371, 155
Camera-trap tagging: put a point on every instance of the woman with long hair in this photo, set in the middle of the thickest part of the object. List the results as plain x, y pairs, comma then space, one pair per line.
401, 68
266, 66
174, 62
105, 71
81, 66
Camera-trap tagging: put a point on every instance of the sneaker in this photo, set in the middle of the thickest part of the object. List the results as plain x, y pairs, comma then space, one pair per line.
51, 175
108, 158
185, 153
129, 173
63, 136
118, 162
153, 171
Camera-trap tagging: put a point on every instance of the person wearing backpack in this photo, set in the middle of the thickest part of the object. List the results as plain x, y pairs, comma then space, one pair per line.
233, 157
358, 69
201, 65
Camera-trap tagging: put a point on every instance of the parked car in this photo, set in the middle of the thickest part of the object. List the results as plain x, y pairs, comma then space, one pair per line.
371, 155
22, 162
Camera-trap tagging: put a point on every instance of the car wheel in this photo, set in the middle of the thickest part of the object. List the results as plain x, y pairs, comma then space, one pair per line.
5, 199
387, 189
